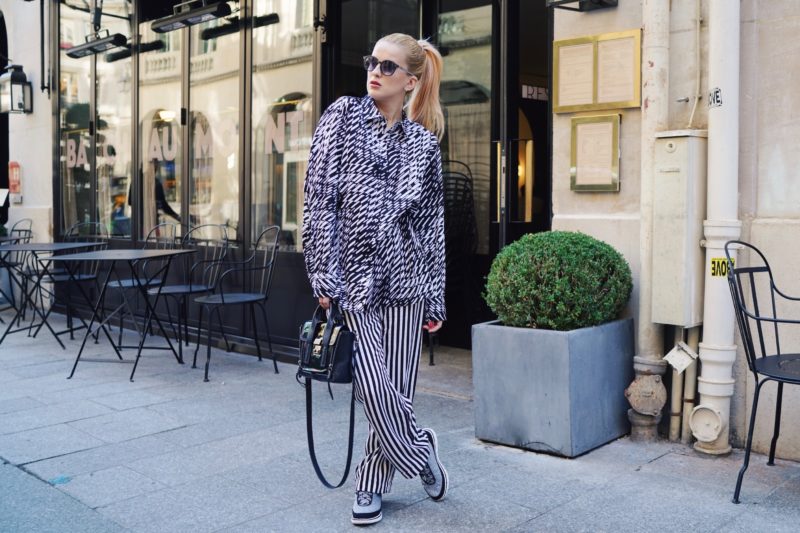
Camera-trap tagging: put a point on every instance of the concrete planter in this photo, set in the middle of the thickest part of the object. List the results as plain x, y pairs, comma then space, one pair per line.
559, 392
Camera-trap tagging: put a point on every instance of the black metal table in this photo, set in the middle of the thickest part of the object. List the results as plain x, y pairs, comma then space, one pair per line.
133, 257
38, 249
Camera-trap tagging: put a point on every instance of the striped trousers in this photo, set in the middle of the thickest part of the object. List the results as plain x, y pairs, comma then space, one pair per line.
389, 341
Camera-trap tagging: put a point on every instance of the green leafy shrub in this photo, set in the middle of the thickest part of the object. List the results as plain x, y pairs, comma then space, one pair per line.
558, 280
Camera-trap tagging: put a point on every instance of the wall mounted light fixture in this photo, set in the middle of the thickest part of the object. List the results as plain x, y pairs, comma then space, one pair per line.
233, 26
191, 13
16, 95
583, 5
95, 44
127, 50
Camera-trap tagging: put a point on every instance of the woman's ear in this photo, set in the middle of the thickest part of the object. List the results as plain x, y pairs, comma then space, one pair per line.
412, 82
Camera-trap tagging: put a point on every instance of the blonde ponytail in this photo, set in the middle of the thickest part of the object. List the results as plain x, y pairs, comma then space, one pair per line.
425, 62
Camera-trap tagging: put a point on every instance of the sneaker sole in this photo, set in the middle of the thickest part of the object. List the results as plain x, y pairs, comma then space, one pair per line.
435, 444
366, 521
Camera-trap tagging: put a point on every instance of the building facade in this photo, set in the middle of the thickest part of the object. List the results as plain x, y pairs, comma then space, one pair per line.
212, 124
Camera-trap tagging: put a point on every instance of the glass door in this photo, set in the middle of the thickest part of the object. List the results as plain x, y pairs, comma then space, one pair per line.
464, 32
160, 127
214, 104
75, 119
527, 121
361, 24
282, 123
465, 35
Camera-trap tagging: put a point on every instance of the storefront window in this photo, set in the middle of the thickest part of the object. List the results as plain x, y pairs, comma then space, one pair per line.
75, 144
214, 88
113, 138
282, 119
159, 127
363, 23
465, 36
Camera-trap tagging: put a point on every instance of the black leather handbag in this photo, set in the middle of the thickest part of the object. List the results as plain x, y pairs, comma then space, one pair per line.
327, 347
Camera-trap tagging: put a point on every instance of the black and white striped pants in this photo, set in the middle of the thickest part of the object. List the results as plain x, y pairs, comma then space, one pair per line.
389, 341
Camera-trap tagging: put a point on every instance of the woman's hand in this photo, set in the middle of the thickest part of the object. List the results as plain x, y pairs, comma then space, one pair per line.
432, 326
325, 302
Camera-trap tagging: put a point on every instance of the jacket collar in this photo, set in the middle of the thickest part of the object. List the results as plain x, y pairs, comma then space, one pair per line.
372, 114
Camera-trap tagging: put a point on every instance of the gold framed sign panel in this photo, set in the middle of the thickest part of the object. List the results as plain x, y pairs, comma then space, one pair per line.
597, 72
594, 154
574, 75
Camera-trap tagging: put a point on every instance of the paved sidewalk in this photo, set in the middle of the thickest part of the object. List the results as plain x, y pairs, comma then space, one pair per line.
170, 453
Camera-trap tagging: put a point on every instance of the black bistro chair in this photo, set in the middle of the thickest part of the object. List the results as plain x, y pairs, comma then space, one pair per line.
160, 237
760, 308
22, 228
460, 237
198, 273
86, 273
20, 233
256, 278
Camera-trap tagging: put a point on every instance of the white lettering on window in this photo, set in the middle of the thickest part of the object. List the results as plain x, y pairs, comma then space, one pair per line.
71, 153
154, 149
276, 133
169, 143
82, 159
294, 118
202, 142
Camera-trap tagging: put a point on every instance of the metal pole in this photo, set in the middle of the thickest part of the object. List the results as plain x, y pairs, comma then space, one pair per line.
710, 419
647, 393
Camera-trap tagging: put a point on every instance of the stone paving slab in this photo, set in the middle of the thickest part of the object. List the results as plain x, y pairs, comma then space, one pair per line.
28, 505
91, 390
99, 458
49, 415
7, 376
129, 399
207, 504
43, 443
171, 453
610, 507
126, 425
18, 404
104, 487
754, 520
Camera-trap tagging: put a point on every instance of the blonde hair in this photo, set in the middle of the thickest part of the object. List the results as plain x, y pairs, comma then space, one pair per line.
425, 62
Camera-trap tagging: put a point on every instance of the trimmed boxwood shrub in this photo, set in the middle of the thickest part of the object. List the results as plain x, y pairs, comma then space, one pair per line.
559, 280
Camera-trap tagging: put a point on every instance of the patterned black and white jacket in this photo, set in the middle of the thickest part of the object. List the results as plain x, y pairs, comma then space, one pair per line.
373, 216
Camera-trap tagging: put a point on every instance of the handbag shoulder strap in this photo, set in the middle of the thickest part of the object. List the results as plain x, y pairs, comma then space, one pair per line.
310, 432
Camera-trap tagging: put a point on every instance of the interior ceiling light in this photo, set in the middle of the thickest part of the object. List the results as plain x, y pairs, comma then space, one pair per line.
191, 13
167, 115
95, 44
233, 27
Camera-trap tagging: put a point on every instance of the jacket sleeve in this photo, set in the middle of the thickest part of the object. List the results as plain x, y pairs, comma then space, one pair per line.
428, 225
321, 195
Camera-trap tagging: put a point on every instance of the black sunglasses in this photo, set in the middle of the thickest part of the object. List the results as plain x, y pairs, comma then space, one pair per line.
388, 67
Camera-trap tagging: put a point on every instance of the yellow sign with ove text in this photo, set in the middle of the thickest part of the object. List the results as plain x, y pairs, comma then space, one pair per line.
719, 266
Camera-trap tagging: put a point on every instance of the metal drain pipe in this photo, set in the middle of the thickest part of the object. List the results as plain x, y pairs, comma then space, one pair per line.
710, 419
647, 394
676, 396
689, 386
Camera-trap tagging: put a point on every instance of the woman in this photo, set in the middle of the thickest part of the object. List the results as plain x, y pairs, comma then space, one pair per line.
373, 241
